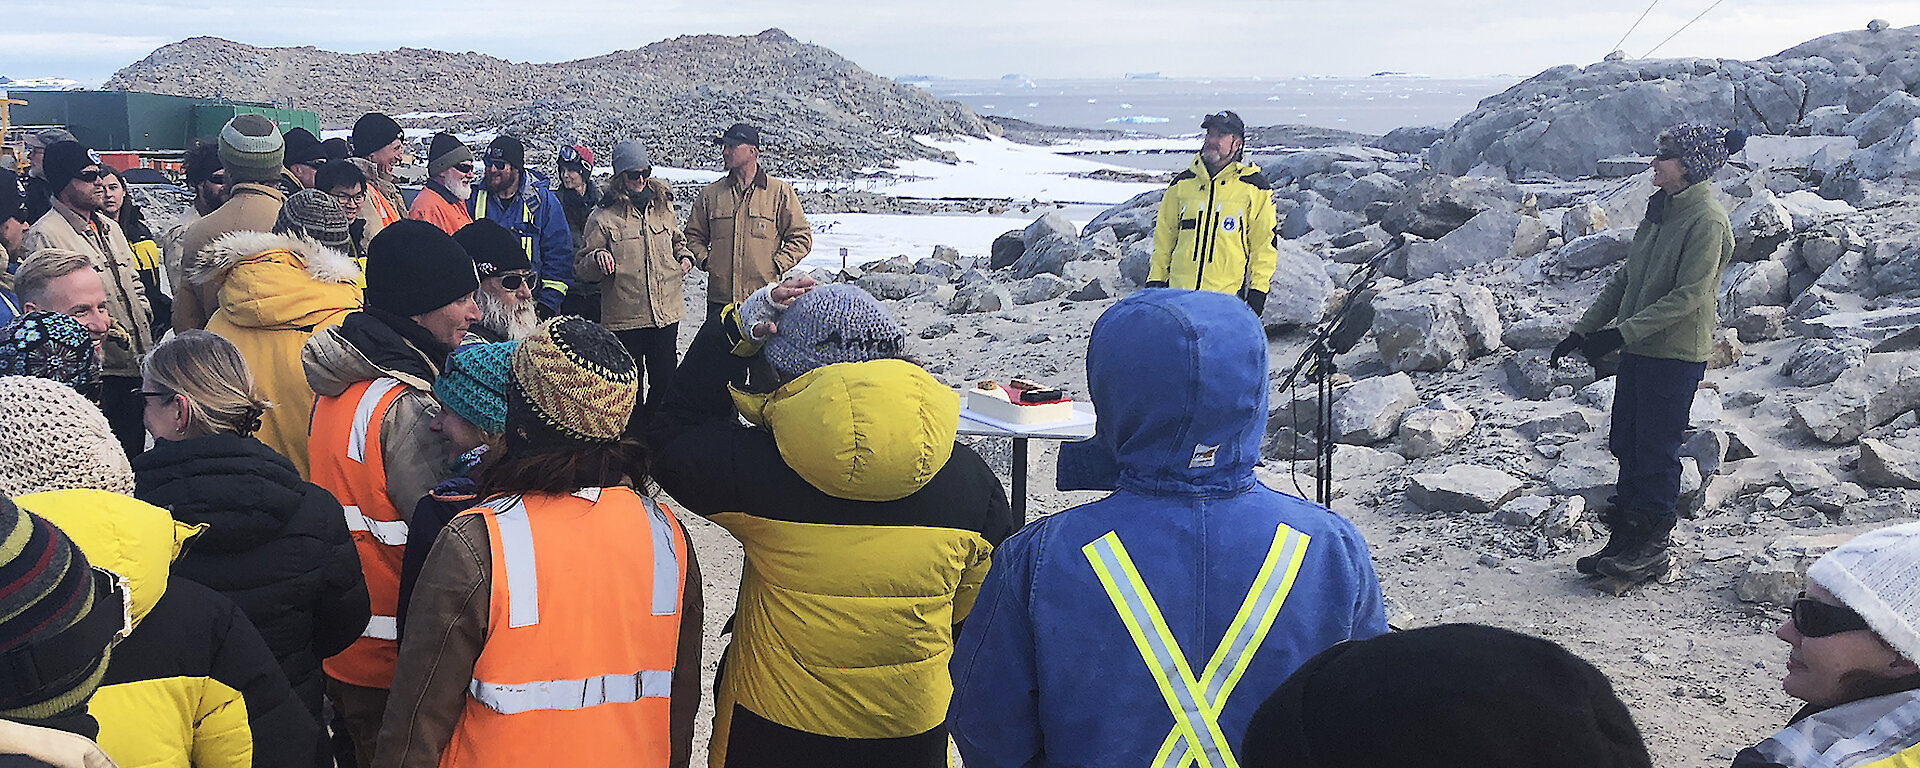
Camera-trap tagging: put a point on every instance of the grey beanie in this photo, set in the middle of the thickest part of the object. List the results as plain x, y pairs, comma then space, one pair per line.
833, 324
315, 214
251, 148
631, 155
48, 138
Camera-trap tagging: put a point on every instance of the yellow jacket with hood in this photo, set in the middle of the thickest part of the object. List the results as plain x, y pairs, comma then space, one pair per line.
867, 531
1214, 232
274, 292
194, 685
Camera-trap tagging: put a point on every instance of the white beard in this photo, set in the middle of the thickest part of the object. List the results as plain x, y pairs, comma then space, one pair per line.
515, 323
461, 191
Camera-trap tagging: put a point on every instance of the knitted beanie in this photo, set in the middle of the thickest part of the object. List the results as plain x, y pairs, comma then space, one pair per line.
573, 384
48, 138
46, 587
64, 161
1874, 575
631, 155
336, 149
445, 152
251, 148
509, 150
414, 267
1701, 149
1448, 695
474, 386
56, 440
373, 132
303, 148
837, 323
493, 248
50, 345
315, 214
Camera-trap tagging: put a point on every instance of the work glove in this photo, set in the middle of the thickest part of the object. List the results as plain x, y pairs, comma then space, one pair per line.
1156, 283
1258, 301
1600, 342
1565, 347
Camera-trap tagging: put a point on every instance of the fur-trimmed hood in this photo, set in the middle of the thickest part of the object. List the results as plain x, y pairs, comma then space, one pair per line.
267, 280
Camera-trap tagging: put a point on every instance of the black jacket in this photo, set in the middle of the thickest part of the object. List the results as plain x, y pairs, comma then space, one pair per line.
275, 544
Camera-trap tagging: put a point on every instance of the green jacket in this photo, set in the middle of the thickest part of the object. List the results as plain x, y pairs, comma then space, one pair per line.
1664, 296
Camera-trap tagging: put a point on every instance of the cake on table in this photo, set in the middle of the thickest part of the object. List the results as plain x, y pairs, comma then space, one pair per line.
1019, 402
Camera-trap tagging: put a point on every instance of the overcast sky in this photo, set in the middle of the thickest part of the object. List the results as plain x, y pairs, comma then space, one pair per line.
964, 38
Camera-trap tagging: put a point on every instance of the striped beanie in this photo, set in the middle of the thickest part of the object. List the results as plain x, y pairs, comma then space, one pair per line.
46, 588
573, 384
56, 440
474, 385
251, 148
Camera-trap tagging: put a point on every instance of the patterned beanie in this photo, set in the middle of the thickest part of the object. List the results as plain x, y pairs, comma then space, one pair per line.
830, 324
55, 440
251, 148
1701, 149
1873, 575
474, 385
315, 214
50, 345
46, 588
573, 384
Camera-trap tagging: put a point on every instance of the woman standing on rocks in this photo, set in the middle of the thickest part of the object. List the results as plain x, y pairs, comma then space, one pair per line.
633, 245
1855, 635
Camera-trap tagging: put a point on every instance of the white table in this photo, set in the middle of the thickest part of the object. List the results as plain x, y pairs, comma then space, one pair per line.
1073, 430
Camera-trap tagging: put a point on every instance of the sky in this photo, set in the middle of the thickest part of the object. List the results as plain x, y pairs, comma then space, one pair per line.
970, 39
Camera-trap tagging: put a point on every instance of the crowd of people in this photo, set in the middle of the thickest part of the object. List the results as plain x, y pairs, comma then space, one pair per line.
343, 479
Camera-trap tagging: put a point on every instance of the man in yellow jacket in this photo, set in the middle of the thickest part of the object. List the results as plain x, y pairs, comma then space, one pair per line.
1216, 224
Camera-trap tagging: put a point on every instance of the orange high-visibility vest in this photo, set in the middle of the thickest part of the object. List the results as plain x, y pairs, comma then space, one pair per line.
385, 207
346, 457
582, 633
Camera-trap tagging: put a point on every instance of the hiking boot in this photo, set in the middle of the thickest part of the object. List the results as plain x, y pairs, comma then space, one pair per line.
1646, 560
1623, 532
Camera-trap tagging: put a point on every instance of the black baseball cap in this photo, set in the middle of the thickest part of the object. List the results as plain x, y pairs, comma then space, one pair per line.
740, 133
1227, 122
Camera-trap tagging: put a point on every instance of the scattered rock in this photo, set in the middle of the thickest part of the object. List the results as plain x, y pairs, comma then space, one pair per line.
1571, 421
1598, 395
1581, 220
1763, 323
980, 297
1300, 293
1586, 470
1820, 361
1886, 117
1593, 251
1529, 375
895, 286
1434, 427
1778, 574
1488, 236
1443, 203
1463, 488
1523, 512
1434, 324
1038, 288
1096, 289
937, 329
1540, 332
1886, 465
1369, 410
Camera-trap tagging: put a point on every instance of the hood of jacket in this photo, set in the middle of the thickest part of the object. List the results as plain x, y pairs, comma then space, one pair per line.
130, 537
1185, 413
361, 349
277, 282
238, 487
872, 431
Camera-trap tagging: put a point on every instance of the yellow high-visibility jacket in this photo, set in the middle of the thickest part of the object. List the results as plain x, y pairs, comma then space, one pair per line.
1215, 231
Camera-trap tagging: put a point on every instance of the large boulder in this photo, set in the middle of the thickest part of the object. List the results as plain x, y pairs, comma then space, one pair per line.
1048, 254
1434, 427
1820, 361
1049, 223
1894, 157
1369, 410
1885, 386
1133, 218
893, 286
1367, 190
1892, 113
1760, 225
1136, 262
1530, 374
1488, 236
1887, 465
983, 296
1318, 216
1006, 249
1300, 293
1411, 139
1585, 469
1038, 288
1874, 326
1752, 284
1435, 324
1593, 251
1442, 204
1463, 488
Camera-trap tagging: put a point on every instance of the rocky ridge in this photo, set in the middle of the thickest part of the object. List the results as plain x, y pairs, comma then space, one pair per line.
822, 115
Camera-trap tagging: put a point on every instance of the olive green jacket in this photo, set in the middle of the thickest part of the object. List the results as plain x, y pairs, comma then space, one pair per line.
1664, 296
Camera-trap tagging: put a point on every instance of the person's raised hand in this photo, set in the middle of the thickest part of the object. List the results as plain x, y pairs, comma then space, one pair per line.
790, 289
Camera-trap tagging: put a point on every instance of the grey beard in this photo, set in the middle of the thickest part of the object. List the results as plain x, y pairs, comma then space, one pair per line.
514, 323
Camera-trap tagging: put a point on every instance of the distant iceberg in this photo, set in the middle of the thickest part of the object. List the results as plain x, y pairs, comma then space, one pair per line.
1137, 119
1143, 76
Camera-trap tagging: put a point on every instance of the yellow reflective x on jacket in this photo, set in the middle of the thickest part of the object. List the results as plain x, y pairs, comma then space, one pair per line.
1215, 231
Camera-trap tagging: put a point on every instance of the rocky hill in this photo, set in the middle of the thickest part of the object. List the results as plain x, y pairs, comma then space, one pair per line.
1562, 121
822, 115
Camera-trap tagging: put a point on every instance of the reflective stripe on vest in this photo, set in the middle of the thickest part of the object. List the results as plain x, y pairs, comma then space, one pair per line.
385, 207
573, 694
526, 217
363, 417
1196, 703
392, 533
382, 628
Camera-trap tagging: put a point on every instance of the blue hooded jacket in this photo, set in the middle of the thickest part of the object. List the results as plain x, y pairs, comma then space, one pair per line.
1046, 671
534, 213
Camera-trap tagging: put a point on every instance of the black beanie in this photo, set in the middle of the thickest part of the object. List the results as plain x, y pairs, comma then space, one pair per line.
494, 249
64, 161
13, 198
1451, 695
303, 148
336, 149
508, 148
373, 131
414, 267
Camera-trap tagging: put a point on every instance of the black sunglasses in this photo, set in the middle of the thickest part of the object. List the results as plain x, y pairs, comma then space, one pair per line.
1812, 618
513, 280
635, 175
89, 175
496, 163
463, 167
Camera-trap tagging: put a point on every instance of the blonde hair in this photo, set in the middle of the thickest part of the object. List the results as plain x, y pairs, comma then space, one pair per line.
209, 371
43, 267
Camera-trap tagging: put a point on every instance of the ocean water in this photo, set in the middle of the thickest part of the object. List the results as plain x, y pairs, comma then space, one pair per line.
1175, 106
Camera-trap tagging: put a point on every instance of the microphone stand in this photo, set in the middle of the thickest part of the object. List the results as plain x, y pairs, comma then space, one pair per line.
1317, 363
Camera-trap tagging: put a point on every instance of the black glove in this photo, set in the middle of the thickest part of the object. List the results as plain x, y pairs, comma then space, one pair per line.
1258, 301
1156, 283
1600, 342
1565, 347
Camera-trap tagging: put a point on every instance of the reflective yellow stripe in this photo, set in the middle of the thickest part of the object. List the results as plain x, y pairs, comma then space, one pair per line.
1196, 704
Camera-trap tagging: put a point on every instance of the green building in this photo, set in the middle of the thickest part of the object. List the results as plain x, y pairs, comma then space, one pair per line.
115, 121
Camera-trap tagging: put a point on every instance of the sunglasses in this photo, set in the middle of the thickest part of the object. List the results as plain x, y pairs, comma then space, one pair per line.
513, 280
463, 167
89, 175
1667, 155
1812, 618
496, 164
219, 179
634, 175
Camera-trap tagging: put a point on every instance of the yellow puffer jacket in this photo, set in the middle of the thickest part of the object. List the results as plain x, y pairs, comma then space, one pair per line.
194, 685
1215, 232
